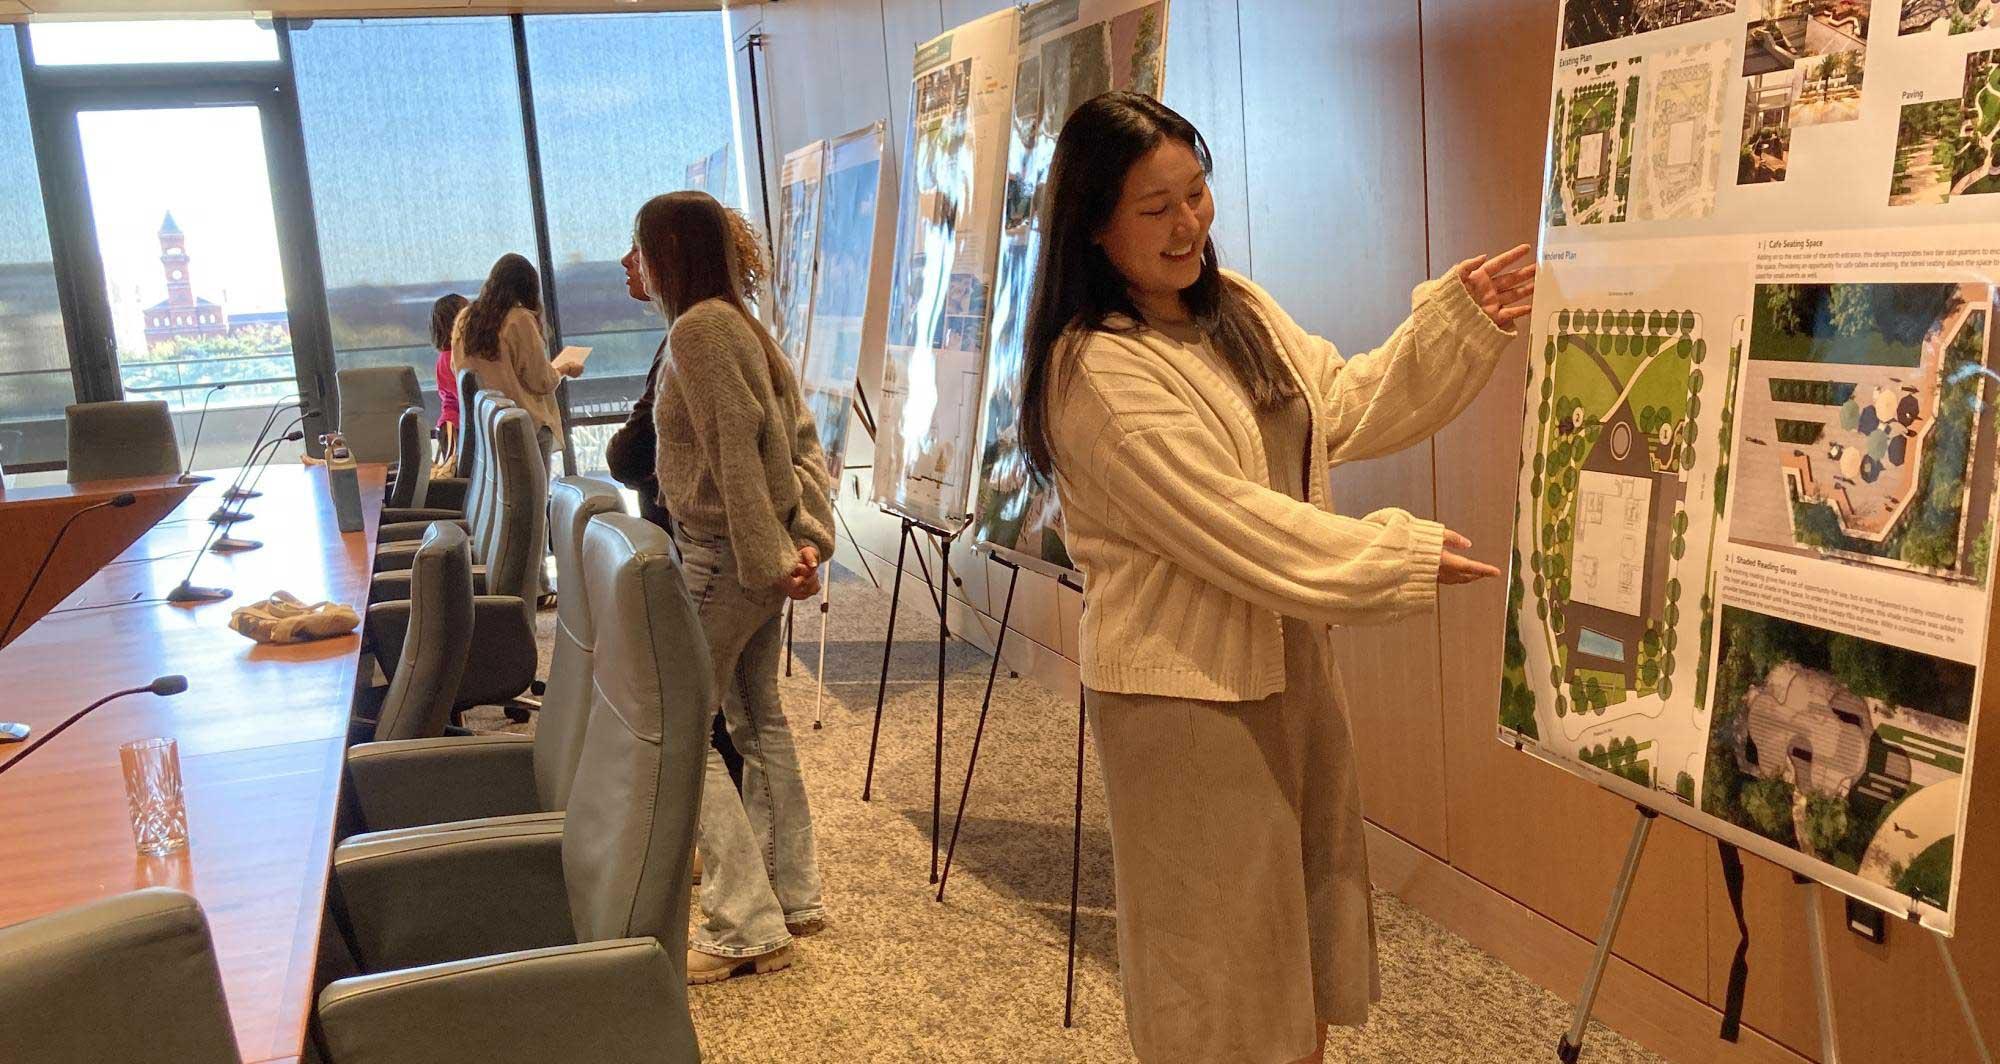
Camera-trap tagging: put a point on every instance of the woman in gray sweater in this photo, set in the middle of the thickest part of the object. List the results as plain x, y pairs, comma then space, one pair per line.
740, 468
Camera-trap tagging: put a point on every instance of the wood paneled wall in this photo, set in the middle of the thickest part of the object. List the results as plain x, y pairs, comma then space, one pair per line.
1361, 148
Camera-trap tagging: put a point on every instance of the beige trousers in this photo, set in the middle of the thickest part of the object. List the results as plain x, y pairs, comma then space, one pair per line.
1242, 875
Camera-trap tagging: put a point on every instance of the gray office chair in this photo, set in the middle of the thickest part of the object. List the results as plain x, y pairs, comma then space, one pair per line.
468, 392
578, 950
414, 443
508, 518
411, 485
414, 501
482, 512
130, 978
432, 633
458, 778
372, 399
115, 440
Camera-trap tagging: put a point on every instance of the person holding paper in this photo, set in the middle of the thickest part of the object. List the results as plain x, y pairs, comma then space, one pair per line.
1189, 424
501, 338
739, 464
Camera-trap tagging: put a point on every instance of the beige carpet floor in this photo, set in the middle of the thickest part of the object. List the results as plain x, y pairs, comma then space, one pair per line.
899, 977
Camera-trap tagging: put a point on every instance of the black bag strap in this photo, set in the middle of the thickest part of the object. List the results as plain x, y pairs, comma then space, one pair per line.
1739, 967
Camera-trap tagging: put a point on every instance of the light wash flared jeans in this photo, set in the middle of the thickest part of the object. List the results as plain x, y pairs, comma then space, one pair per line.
758, 868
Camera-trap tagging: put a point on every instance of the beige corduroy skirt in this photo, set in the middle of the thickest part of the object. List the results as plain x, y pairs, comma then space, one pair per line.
1242, 875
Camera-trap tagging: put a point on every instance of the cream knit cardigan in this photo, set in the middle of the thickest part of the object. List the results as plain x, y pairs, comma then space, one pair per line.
1189, 557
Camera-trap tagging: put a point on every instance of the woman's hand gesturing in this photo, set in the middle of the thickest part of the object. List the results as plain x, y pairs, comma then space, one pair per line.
1505, 295
1455, 568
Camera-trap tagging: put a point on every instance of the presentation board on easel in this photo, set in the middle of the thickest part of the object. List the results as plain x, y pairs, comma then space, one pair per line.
961, 88
1752, 550
714, 174
1070, 51
857, 235
797, 248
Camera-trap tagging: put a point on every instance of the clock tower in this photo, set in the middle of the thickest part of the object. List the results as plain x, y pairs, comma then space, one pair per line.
174, 263
182, 315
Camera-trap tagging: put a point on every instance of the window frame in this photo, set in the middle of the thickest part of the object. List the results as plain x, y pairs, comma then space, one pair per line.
56, 92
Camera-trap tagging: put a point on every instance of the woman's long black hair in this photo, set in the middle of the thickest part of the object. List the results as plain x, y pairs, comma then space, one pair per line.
511, 283
1078, 289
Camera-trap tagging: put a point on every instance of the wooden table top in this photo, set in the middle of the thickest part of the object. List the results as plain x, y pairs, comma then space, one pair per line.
262, 733
32, 521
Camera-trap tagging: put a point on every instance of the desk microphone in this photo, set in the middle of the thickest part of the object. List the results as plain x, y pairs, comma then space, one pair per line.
119, 501
235, 490
230, 544
14, 733
223, 514
187, 475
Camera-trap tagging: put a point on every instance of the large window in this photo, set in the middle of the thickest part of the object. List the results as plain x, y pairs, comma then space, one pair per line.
623, 105
216, 40
35, 382
419, 171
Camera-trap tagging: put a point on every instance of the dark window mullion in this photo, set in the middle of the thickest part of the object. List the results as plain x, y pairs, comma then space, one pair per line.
544, 246
92, 361
306, 309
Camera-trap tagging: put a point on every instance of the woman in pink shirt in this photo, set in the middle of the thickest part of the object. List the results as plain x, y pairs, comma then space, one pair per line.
443, 313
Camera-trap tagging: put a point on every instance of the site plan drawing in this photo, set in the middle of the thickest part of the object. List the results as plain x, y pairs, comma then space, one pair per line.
1759, 469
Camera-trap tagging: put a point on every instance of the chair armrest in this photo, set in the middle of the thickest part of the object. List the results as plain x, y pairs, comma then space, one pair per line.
433, 781
388, 585
408, 899
412, 528
388, 624
447, 493
621, 1000
396, 555
424, 514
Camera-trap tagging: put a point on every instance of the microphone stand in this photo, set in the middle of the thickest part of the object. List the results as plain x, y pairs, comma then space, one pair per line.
187, 475
223, 514
235, 489
119, 501
163, 686
229, 544
186, 593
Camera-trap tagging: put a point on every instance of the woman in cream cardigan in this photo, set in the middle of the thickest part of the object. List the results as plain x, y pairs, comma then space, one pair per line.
1189, 425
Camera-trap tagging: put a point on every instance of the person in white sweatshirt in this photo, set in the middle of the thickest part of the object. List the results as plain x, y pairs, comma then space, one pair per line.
1189, 425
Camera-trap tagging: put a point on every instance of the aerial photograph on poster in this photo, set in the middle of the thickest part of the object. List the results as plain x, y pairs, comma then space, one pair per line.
1843, 748
1588, 22
1927, 143
1069, 53
1946, 148
1590, 170
1684, 132
1947, 16
1867, 427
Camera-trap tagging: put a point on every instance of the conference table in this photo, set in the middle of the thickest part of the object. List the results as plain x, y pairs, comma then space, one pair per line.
262, 732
